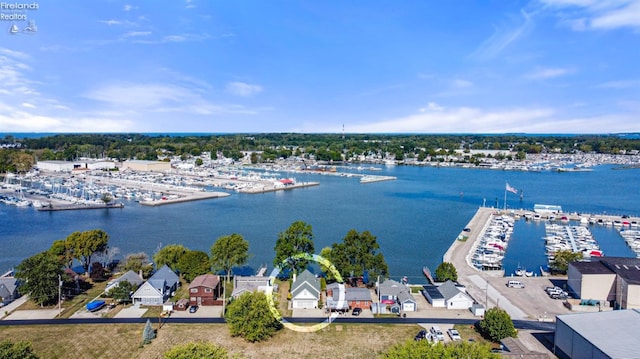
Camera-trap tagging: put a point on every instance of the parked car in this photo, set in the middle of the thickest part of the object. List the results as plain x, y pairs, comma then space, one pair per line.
193, 309
454, 335
356, 311
421, 335
515, 284
437, 333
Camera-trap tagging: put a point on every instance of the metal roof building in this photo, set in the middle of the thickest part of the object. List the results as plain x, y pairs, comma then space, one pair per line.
611, 334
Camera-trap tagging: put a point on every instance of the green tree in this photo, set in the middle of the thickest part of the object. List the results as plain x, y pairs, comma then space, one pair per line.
426, 350
297, 239
197, 350
193, 264
40, 277
446, 271
198, 162
85, 244
497, 325
229, 251
358, 253
106, 197
169, 255
22, 161
249, 317
148, 334
61, 249
137, 262
16, 350
122, 292
561, 260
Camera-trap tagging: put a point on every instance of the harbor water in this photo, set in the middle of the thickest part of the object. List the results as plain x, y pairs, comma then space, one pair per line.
415, 217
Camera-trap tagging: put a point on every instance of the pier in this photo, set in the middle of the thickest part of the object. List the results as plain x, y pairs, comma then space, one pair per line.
71, 207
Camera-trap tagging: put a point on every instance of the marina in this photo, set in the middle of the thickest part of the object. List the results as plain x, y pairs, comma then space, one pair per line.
426, 199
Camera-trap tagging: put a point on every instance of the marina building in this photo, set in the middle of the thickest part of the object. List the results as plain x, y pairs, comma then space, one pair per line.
611, 334
614, 280
146, 166
68, 166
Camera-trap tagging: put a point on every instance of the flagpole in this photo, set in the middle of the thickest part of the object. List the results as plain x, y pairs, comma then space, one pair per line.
505, 197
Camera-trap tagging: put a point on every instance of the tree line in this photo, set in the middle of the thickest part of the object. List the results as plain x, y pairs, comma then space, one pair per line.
323, 147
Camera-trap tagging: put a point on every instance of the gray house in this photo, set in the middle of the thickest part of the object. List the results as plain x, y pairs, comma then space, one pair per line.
305, 291
8, 290
130, 276
160, 287
392, 292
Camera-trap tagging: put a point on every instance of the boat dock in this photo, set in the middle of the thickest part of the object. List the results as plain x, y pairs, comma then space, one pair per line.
264, 189
71, 207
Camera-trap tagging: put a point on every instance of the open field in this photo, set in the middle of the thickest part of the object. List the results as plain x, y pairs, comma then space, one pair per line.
123, 340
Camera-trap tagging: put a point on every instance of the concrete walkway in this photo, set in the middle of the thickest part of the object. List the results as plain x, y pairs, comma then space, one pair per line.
493, 296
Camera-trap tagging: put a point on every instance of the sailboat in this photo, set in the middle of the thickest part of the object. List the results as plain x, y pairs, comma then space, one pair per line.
14, 29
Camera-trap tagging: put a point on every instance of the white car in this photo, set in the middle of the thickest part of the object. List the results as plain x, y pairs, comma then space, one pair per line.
454, 335
437, 333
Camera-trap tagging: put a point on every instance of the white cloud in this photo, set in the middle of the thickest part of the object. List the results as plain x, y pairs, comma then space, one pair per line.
110, 22
431, 106
133, 95
459, 83
136, 34
437, 119
243, 89
621, 84
128, 7
548, 73
28, 105
504, 35
583, 15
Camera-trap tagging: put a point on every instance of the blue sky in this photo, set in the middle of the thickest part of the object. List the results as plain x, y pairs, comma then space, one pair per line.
539, 66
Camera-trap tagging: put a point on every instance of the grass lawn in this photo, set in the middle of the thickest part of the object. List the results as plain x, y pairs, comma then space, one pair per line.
70, 306
123, 340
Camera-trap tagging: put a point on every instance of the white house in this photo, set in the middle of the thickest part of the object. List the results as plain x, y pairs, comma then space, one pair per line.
305, 291
160, 287
447, 295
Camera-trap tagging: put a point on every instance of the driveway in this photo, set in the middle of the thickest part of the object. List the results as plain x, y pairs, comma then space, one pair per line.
134, 311
208, 311
32, 314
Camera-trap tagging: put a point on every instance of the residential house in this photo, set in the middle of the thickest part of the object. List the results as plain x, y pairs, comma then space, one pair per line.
392, 292
206, 289
305, 291
160, 287
8, 290
249, 284
353, 297
130, 276
447, 295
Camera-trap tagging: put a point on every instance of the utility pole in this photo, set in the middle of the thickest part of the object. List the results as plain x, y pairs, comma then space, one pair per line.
59, 296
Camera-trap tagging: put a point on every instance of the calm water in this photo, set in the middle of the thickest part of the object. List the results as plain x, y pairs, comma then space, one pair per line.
415, 217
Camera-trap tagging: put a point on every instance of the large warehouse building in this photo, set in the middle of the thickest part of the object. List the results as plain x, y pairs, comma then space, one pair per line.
612, 334
614, 280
